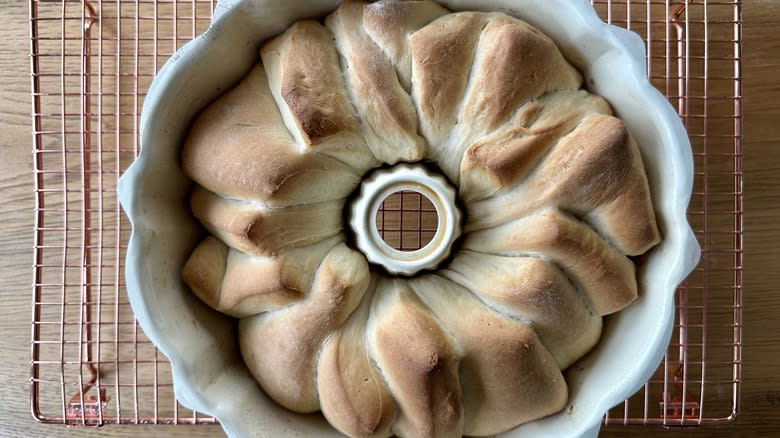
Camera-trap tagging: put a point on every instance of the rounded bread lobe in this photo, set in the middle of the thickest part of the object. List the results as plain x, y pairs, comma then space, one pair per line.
261, 231
605, 275
493, 161
442, 56
603, 167
250, 285
497, 162
513, 63
239, 147
388, 117
508, 376
389, 24
308, 86
516, 63
204, 271
628, 220
418, 361
535, 291
280, 348
595, 173
353, 396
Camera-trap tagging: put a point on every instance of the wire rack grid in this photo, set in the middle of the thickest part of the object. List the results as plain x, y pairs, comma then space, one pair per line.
93, 60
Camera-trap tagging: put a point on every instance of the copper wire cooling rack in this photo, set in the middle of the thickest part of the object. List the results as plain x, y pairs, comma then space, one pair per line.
92, 62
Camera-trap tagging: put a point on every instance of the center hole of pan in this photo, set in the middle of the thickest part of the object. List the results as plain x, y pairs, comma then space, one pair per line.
407, 220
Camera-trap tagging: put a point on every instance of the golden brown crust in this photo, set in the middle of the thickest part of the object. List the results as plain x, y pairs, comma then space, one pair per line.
606, 276
261, 231
310, 81
535, 291
512, 64
255, 285
595, 173
388, 116
239, 147
389, 23
305, 79
280, 348
589, 166
628, 220
500, 160
353, 396
422, 375
249, 285
516, 63
508, 376
442, 56
605, 180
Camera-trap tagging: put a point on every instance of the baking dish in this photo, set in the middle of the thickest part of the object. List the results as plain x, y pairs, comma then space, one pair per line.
209, 374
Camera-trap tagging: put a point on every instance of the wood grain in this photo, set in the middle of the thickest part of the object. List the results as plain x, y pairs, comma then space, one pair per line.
760, 409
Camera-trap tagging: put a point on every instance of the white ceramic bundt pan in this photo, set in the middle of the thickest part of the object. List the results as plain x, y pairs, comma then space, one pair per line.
208, 372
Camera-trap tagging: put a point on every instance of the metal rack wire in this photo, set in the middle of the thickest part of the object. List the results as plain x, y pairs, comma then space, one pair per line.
92, 61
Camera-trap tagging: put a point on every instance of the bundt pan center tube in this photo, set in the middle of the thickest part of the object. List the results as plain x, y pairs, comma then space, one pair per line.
209, 372
375, 189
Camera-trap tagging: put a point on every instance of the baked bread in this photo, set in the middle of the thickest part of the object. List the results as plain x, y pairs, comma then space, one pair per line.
556, 202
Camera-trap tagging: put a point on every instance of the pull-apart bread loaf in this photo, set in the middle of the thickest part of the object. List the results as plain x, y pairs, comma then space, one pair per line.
556, 202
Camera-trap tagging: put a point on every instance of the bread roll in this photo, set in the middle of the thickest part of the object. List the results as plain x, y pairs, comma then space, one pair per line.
239, 147
353, 395
307, 84
442, 56
418, 361
596, 173
534, 291
241, 285
386, 111
510, 53
261, 231
499, 161
507, 376
280, 348
389, 23
605, 275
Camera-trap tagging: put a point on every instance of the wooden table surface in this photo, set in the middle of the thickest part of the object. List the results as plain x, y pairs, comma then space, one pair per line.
760, 408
